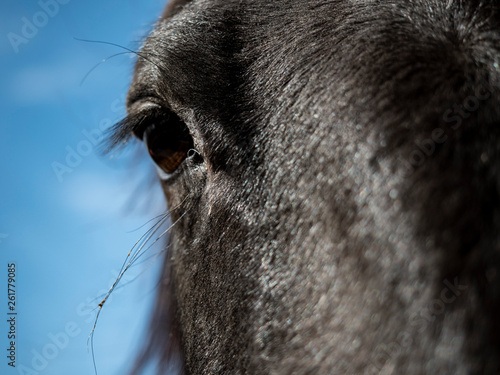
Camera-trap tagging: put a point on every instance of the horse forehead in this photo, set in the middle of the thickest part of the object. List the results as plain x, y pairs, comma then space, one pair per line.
209, 50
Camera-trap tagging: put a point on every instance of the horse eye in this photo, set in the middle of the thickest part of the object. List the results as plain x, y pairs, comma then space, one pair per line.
168, 142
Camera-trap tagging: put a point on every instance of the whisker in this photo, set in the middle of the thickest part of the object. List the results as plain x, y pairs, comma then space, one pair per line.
129, 50
146, 223
108, 43
120, 286
131, 259
99, 63
154, 256
143, 240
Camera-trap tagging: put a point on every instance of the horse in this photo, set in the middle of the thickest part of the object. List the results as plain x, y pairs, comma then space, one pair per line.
331, 169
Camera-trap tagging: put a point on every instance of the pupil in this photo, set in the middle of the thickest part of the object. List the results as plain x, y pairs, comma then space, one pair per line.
168, 143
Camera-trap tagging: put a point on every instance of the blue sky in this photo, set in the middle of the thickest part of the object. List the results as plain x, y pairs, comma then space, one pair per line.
68, 232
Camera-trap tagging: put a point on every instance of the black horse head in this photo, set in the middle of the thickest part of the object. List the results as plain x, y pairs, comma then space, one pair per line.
332, 170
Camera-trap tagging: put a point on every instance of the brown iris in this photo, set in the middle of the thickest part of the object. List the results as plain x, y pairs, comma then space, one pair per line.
168, 143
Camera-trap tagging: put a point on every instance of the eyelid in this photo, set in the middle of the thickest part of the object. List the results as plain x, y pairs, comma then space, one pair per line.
141, 116
162, 175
